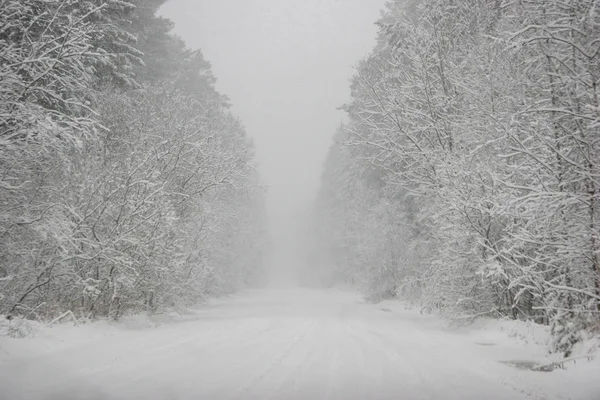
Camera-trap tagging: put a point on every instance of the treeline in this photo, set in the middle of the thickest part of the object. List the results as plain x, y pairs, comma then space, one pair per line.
126, 184
468, 174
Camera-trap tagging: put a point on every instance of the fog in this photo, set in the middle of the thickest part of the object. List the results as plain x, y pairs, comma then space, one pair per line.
285, 65
446, 245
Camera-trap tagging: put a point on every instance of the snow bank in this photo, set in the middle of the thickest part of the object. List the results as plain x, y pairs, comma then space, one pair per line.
285, 342
523, 346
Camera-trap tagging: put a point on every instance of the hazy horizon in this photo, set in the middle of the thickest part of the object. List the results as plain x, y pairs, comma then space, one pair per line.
286, 67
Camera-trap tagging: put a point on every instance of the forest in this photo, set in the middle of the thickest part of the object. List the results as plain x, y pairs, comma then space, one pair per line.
466, 178
126, 183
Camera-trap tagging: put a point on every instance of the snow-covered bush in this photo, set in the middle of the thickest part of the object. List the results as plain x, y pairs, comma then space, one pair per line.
480, 118
126, 184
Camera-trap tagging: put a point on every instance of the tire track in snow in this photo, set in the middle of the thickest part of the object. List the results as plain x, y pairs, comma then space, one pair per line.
276, 345
257, 379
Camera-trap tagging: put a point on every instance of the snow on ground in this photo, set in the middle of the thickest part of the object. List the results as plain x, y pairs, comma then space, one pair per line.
288, 344
521, 343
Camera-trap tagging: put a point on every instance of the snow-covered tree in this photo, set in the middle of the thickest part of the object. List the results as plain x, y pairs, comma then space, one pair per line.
481, 118
127, 184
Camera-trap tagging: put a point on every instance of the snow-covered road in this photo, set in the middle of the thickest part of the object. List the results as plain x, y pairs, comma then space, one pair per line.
287, 344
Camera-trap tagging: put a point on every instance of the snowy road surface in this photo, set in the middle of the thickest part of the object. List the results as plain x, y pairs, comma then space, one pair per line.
287, 344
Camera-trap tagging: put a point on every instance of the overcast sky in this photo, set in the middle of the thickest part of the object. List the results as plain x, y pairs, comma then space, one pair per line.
285, 65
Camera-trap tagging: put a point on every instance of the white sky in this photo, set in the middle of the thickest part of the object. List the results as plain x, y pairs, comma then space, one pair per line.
285, 65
